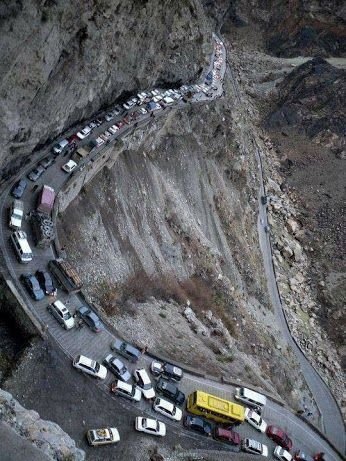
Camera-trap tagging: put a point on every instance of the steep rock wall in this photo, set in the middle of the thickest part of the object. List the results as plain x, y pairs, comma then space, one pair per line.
62, 60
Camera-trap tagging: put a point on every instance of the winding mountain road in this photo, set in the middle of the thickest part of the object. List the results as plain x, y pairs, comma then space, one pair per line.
331, 418
97, 346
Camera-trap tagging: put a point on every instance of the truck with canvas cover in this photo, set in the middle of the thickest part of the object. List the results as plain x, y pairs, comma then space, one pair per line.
66, 275
45, 200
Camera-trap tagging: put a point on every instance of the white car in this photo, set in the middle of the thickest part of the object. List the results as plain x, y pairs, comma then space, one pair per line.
89, 366
254, 447
60, 147
62, 314
69, 166
109, 116
102, 436
143, 111
281, 454
150, 426
84, 132
167, 409
113, 129
255, 420
128, 105
99, 141
143, 382
126, 390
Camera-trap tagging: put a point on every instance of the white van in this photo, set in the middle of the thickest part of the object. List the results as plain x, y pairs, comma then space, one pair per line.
62, 314
21, 246
252, 398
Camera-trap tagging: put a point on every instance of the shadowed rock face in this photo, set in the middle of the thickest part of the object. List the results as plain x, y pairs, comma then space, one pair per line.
311, 99
61, 61
307, 28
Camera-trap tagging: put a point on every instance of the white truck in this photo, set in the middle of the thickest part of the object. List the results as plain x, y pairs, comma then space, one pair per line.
16, 214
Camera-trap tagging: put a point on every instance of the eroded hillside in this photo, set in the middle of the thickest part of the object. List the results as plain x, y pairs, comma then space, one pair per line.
173, 223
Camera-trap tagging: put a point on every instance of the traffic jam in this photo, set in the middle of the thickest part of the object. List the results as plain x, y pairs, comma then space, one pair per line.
201, 412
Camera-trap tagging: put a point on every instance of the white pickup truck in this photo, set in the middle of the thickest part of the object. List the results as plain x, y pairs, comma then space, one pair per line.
16, 214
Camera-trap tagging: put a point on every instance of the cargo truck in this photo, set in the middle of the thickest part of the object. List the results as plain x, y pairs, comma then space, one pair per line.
45, 200
66, 275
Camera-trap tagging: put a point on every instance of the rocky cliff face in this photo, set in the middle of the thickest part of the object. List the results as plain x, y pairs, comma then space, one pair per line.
38, 439
292, 28
310, 100
62, 61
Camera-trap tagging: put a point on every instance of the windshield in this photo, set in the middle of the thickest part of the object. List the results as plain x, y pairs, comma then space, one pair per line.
97, 367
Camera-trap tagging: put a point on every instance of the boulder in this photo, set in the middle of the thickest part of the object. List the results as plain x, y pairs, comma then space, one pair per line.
292, 226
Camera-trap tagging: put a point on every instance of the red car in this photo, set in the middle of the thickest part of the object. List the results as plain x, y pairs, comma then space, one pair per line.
227, 435
280, 437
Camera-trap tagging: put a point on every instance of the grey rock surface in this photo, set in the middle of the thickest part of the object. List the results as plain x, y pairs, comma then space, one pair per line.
62, 61
23, 431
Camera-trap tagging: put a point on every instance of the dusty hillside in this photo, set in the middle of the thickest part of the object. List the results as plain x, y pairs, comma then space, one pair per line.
308, 130
175, 221
62, 61
298, 115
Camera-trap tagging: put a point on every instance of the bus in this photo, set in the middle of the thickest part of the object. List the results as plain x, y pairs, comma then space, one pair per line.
212, 407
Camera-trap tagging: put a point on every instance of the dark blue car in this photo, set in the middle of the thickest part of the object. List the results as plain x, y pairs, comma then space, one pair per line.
198, 424
32, 286
19, 188
90, 318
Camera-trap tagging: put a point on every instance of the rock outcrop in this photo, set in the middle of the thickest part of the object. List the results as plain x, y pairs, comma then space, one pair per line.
298, 28
47, 436
310, 100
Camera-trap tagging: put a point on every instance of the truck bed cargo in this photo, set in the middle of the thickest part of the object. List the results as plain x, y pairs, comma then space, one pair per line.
43, 229
66, 275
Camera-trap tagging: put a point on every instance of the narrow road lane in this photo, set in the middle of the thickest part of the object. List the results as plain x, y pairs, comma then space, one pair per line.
332, 421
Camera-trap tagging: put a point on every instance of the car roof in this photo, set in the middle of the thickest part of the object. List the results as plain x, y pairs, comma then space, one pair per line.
253, 415
152, 423
170, 387
124, 386
118, 363
254, 444
144, 375
165, 404
93, 316
85, 360
169, 368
